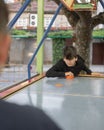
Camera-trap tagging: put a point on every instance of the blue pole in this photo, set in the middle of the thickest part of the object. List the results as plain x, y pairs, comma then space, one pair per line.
43, 38
10, 25
102, 3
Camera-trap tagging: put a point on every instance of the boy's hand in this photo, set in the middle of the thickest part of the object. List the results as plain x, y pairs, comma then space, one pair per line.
69, 73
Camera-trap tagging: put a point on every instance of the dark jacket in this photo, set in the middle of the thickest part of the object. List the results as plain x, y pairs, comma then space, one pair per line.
15, 117
59, 69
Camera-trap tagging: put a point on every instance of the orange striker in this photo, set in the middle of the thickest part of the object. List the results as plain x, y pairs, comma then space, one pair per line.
69, 76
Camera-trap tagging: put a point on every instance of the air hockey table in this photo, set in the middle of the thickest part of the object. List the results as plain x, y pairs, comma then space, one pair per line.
74, 104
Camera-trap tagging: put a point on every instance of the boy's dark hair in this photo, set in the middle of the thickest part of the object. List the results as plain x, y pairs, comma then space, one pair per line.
4, 16
70, 52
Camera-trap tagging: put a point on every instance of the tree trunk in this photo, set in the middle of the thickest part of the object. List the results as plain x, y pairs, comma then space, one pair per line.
83, 36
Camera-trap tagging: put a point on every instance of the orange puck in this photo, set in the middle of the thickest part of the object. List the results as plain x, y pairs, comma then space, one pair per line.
58, 85
69, 77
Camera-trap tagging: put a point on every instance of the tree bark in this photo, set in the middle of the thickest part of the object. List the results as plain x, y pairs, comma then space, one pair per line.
83, 35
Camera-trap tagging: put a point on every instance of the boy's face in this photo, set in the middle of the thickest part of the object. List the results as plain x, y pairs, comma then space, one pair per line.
4, 48
71, 62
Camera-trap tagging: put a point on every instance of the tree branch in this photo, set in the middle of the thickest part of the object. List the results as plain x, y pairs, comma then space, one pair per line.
98, 19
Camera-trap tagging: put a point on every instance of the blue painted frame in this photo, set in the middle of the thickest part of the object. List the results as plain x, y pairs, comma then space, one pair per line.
102, 3
13, 21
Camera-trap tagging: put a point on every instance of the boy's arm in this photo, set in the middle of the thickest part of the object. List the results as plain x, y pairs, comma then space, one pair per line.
52, 73
86, 69
56, 70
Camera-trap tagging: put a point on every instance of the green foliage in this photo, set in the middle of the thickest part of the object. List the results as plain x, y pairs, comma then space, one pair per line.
61, 34
98, 33
18, 32
58, 45
57, 34
22, 33
69, 34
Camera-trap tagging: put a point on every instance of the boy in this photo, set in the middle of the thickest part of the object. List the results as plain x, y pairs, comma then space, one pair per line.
12, 116
71, 64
